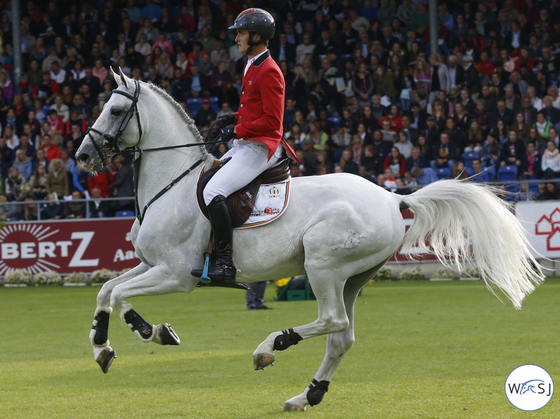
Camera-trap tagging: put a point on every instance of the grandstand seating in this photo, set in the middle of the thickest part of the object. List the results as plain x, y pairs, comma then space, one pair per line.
194, 104
468, 158
214, 104
335, 120
443, 173
507, 173
124, 214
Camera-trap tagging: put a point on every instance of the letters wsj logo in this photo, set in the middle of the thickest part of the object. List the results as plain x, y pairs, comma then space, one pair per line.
34, 252
529, 387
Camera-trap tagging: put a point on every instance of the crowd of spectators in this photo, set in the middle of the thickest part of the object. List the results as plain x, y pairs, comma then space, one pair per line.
364, 92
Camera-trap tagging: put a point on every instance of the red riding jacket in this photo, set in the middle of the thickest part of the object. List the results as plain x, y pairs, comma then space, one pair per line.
261, 109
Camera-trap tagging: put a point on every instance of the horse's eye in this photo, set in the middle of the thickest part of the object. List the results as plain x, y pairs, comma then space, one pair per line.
116, 112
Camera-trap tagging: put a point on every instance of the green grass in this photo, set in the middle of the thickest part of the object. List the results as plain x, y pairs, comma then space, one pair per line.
423, 350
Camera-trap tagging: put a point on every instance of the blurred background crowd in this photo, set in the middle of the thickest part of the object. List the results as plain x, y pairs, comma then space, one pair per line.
364, 92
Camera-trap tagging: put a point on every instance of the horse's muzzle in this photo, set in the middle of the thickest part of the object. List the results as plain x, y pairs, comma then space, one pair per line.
87, 157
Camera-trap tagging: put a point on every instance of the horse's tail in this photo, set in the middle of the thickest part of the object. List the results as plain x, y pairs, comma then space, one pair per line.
468, 225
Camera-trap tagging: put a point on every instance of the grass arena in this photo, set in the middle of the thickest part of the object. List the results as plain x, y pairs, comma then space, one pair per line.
423, 350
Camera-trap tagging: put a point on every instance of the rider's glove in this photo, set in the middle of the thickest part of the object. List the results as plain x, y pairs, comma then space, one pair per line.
228, 133
220, 123
224, 120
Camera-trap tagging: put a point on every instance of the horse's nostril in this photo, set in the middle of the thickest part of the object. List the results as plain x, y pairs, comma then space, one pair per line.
83, 157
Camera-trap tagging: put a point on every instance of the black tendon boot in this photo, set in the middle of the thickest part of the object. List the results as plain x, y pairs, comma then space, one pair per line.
222, 269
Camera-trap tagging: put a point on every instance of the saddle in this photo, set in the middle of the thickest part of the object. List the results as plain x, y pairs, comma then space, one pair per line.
241, 202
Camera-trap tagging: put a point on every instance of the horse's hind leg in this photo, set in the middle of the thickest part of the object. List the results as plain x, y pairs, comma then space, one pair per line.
338, 345
102, 352
332, 318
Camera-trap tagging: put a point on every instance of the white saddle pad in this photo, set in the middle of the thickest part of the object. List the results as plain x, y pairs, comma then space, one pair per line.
272, 200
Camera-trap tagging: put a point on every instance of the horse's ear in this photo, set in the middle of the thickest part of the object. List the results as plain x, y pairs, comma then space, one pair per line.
123, 77
115, 75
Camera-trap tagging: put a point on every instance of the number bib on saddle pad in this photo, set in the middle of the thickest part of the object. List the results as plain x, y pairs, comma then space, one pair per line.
259, 203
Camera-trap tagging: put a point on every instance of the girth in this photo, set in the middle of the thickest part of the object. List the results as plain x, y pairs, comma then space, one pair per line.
241, 202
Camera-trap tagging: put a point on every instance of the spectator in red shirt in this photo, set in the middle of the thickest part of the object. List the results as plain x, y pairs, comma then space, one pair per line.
484, 65
102, 181
394, 118
51, 151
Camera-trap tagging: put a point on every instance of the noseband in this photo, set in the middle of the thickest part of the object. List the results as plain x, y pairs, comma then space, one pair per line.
112, 139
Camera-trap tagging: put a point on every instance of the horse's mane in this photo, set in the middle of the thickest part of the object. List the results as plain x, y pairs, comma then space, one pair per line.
188, 120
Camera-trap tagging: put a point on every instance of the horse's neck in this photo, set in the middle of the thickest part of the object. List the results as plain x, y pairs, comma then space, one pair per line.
157, 169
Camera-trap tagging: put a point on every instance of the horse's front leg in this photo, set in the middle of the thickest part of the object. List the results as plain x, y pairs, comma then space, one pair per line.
158, 280
102, 352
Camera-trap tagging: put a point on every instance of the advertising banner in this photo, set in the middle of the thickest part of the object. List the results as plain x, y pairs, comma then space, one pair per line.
542, 223
419, 255
67, 246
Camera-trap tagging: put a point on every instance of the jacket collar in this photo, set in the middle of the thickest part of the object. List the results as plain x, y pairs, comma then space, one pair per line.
261, 59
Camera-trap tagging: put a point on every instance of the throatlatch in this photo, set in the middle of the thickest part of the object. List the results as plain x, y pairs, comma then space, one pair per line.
317, 390
139, 326
286, 339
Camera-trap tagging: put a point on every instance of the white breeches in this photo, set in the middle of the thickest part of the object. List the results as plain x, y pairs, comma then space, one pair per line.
248, 160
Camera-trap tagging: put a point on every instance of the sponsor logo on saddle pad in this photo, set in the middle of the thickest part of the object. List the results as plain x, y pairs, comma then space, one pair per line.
529, 387
272, 200
274, 192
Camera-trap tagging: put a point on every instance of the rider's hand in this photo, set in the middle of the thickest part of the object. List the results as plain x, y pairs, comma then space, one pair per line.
228, 133
221, 122
224, 120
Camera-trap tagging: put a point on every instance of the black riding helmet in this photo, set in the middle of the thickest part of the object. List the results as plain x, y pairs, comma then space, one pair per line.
255, 21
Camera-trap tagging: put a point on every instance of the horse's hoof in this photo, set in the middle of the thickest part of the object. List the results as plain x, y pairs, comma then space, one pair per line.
289, 407
263, 360
105, 359
165, 335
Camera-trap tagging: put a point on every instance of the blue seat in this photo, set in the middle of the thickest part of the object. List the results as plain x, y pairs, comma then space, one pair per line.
469, 157
443, 173
484, 176
469, 170
45, 109
507, 173
194, 104
335, 120
214, 104
125, 214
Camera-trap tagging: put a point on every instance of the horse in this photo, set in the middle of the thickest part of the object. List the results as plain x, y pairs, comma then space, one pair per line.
339, 229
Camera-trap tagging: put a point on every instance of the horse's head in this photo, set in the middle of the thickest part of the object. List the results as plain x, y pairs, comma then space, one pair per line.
118, 126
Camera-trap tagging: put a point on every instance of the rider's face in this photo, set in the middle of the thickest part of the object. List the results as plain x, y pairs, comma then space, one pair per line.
242, 40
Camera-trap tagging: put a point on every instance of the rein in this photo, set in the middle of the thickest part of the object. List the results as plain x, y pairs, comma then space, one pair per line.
140, 215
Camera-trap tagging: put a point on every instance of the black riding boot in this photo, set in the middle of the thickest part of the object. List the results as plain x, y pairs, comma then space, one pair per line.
222, 269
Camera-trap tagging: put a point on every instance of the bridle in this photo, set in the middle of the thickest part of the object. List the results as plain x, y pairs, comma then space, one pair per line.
113, 139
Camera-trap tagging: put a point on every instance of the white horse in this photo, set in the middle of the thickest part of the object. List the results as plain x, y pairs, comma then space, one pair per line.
339, 229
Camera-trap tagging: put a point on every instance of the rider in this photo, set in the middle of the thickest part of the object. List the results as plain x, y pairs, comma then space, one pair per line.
256, 129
